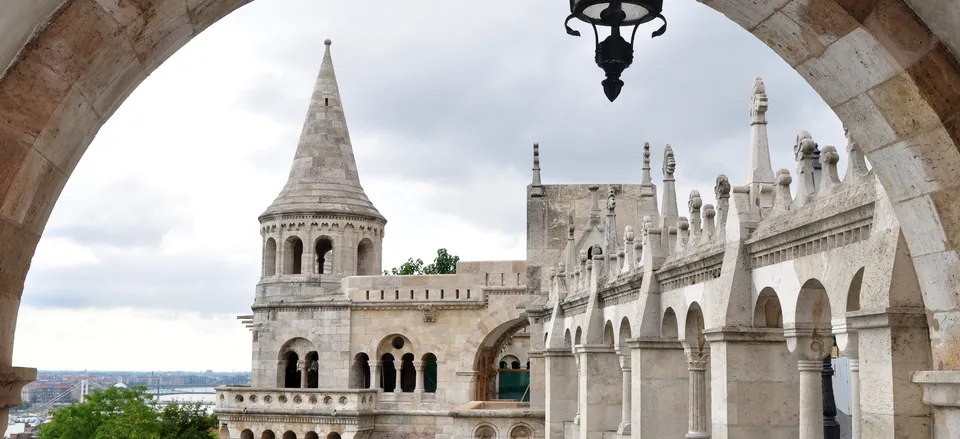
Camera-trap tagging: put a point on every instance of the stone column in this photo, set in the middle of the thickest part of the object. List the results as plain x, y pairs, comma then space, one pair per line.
576, 417
849, 344
375, 376
659, 388
537, 381
697, 412
941, 390
419, 370
624, 428
811, 399
281, 373
304, 373
560, 393
600, 376
398, 366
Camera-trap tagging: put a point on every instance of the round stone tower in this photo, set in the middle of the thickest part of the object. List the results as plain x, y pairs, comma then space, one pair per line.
322, 227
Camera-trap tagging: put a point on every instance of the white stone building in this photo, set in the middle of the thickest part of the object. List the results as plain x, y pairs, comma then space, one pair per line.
636, 321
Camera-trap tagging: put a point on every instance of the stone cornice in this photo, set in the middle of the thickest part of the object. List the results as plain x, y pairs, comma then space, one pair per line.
575, 305
654, 343
745, 334
692, 271
300, 216
237, 415
593, 349
624, 290
557, 352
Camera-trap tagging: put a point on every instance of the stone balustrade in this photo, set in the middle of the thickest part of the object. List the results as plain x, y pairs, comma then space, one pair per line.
242, 399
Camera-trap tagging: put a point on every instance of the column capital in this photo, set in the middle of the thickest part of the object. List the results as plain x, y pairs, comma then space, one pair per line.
624, 363
808, 342
557, 352
697, 361
941, 388
847, 340
744, 334
594, 349
12, 380
535, 354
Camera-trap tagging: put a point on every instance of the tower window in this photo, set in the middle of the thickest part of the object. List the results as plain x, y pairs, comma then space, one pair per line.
326, 102
324, 255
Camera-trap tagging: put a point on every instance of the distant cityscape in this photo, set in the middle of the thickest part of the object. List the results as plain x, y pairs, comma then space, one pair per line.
53, 388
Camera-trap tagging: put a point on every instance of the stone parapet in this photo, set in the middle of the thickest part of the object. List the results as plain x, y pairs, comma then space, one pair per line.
274, 401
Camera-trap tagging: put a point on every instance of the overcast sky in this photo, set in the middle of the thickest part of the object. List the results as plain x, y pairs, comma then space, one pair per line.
153, 248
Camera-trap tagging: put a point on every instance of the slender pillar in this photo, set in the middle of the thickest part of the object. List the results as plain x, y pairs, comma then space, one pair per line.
576, 418
811, 399
560, 391
281, 373
304, 373
697, 369
625, 412
398, 366
418, 369
855, 399
375, 382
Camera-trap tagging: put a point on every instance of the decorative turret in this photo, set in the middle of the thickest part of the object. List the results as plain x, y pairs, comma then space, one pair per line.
536, 187
322, 227
648, 194
669, 209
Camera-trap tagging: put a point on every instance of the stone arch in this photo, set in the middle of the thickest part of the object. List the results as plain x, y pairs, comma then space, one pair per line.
567, 340
408, 373
270, 257
853, 293
485, 430
311, 435
268, 434
360, 371
430, 372
623, 336
383, 335
865, 60
503, 316
289, 435
767, 312
693, 325
507, 362
813, 306
669, 327
520, 431
578, 337
333, 435
299, 345
246, 434
365, 258
609, 335
389, 343
323, 252
484, 358
293, 255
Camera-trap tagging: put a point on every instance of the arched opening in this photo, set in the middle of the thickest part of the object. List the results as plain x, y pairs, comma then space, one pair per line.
388, 373
224, 432
291, 375
623, 336
567, 341
767, 312
507, 361
669, 329
246, 434
270, 257
693, 328
429, 362
408, 374
491, 380
311, 435
324, 254
360, 372
853, 294
268, 434
289, 435
313, 370
292, 255
333, 435
609, 339
365, 257
578, 337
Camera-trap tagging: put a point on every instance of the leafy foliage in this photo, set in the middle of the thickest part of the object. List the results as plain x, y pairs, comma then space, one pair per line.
444, 263
128, 413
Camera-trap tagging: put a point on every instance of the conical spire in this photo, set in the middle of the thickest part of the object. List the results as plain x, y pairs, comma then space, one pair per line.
323, 178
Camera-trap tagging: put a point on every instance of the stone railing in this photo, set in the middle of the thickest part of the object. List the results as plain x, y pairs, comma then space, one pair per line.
239, 399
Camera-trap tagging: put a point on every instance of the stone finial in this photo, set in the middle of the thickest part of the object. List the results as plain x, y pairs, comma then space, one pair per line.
709, 229
857, 166
829, 157
782, 198
561, 268
694, 204
594, 205
804, 151
647, 179
628, 234
722, 188
553, 273
537, 185
669, 163
611, 201
571, 228
629, 246
683, 233
722, 192
327, 42
758, 102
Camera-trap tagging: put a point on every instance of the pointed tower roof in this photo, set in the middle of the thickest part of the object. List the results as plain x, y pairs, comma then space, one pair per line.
323, 178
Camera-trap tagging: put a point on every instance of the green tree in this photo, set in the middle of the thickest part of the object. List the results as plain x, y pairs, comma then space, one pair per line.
128, 413
444, 263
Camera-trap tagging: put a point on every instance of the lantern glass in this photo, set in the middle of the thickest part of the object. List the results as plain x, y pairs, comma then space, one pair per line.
635, 11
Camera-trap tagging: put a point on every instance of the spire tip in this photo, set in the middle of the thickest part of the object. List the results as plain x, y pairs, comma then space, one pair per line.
327, 42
